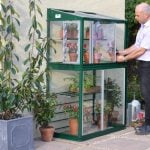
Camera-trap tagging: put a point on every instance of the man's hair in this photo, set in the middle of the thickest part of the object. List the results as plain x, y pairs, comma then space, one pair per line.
144, 7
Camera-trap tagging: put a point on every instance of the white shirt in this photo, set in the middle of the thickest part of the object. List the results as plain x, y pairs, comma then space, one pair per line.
143, 40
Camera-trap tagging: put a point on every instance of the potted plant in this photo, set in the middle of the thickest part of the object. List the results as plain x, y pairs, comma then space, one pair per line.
88, 83
72, 51
44, 108
107, 109
73, 112
41, 103
74, 83
113, 98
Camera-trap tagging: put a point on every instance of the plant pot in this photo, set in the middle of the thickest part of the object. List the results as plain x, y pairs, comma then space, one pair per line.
47, 133
86, 57
73, 124
17, 134
114, 116
73, 56
99, 121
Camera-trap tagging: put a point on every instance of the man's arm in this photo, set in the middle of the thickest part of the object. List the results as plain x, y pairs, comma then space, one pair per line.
132, 55
127, 50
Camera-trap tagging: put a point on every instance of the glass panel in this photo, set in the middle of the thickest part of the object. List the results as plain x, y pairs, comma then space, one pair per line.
100, 42
56, 41
65, 43
71, 42
104, 44
66, 83
114, 95
104, 101
120, 34
87, 42
91, 96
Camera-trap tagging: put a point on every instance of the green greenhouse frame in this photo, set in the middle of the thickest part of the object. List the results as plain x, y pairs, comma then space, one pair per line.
58, 15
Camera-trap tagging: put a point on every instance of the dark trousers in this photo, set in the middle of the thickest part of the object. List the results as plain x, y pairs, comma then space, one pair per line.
144, 74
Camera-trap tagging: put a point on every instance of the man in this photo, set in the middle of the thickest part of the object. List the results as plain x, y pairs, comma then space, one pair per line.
141, 52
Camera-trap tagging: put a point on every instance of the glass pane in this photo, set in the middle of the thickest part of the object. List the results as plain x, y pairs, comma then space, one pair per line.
100, 42
87, 42
103, 102
56, 41
104, 46
66, 84
65, 43
71, 42
91, 96
114, 95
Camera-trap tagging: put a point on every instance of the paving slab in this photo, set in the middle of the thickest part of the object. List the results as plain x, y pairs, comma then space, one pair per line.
122, 140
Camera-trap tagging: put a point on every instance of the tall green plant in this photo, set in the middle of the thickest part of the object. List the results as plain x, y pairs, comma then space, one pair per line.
10, 98
33, 77
42, 104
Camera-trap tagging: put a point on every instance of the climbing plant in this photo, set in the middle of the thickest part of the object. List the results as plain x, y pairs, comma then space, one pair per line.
10, 98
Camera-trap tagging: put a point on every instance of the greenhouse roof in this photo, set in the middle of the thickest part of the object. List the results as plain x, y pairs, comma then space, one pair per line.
87, 15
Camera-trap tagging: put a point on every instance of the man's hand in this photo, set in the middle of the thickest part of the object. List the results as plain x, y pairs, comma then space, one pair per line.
120, 58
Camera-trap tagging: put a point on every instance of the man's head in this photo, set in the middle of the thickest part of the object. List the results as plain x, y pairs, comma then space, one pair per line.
142, 13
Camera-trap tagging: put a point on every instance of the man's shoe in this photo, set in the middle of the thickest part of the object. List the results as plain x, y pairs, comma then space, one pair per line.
142, 130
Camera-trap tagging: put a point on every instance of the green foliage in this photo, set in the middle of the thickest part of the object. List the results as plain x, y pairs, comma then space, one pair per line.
10, 101
74, 83
72, 110
134, 90
44, 108
88, 82
112, 93
10, 97
33, 77
107, 108
38, 100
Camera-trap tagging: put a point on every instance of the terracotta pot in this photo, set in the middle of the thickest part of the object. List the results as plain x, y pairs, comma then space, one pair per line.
99, 121
47, 133
114, 117
73, 56
86, 57
73, 124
